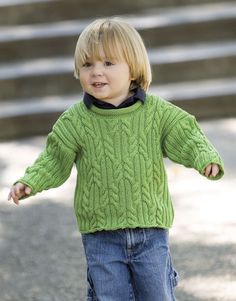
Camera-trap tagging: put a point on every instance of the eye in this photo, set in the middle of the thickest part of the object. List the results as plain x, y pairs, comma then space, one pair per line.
108, 63
87, 64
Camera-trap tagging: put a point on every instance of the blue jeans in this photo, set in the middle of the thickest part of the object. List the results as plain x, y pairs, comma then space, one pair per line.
129, 264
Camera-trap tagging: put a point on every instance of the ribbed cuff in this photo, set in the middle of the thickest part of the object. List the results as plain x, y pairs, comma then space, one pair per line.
33, 192
204, 159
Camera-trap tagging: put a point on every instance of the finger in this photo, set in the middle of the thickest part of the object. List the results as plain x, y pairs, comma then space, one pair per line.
215, 170
19, 187
208, 170
13, 194
9, 196
16, 201
28, 190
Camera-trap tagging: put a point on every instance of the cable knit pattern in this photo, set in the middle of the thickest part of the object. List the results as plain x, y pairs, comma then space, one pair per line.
118, 154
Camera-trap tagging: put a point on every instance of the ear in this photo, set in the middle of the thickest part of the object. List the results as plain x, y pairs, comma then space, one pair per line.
133, 85
76, 74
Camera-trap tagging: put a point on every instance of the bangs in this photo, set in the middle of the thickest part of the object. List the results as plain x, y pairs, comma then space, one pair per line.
93, 43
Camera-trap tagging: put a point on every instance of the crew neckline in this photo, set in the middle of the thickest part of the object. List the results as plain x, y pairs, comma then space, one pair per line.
114, 112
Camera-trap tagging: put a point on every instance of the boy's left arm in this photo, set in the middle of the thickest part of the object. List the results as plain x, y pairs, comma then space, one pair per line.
185, 143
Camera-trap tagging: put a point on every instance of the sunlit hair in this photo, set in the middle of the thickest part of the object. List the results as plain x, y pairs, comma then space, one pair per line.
119, 41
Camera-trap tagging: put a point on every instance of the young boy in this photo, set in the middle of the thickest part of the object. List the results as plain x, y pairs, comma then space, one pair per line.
117, 138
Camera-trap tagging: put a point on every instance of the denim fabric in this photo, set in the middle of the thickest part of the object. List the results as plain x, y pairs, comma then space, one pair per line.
129, 264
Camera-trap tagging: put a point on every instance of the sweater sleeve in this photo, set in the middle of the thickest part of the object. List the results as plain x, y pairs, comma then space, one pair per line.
53, 166
185, 143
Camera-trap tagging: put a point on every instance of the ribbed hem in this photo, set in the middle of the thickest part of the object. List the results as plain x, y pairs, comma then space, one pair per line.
82, 231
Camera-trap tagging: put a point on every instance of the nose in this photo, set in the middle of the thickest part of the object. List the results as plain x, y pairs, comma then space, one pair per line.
97, 69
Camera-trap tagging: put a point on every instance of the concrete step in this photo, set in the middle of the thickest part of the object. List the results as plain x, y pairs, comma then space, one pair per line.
41, 11
211, 98
157, 27
205, 99
193, 62
54, 76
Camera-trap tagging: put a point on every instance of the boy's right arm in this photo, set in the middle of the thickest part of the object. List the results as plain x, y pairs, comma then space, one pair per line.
54, 164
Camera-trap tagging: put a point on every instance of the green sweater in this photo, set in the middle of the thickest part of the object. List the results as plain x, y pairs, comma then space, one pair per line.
121, 179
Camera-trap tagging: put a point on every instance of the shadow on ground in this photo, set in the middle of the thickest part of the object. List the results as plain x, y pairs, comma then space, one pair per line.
41, 254
42, 257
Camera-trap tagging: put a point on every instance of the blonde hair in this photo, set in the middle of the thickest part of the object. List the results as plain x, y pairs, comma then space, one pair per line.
119, 40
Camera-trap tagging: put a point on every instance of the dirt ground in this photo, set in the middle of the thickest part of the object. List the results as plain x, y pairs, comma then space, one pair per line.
41, 255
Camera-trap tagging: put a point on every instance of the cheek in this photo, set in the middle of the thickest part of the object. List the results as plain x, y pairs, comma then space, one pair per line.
126, 71
83, 79
84, 85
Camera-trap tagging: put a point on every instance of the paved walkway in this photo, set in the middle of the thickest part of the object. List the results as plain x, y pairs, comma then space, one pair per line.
41, 256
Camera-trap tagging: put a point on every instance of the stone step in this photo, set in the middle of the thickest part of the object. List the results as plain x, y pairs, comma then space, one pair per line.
212, 98
205, 99
208, 22
41, 11
193, 62
54, 76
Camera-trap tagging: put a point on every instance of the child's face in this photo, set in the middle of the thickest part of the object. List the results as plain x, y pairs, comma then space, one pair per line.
105, 79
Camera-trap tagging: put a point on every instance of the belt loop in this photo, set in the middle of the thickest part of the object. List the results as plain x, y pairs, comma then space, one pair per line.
128, 239
144, 235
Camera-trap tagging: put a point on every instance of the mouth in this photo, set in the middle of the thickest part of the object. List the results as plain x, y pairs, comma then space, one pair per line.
98, 84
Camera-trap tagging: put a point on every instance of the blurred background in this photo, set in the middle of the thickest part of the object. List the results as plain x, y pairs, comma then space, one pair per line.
192, 49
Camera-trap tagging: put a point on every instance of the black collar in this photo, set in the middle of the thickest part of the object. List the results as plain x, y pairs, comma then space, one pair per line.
139, 94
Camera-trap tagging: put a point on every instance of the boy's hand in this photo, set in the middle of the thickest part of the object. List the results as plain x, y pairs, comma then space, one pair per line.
212, 170
18, 191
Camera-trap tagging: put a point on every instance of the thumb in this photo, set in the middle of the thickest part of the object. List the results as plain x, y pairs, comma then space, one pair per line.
28, 190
